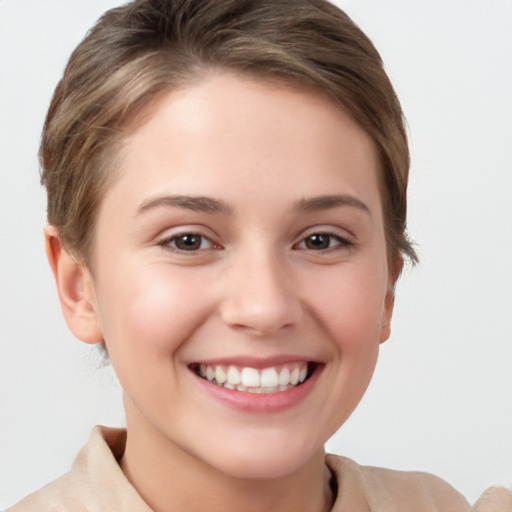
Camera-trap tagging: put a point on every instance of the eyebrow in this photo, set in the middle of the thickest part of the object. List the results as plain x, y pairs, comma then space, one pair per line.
327, 202
210, 205
194, 203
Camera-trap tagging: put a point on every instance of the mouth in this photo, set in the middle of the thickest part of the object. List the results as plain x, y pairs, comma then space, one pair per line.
271, 379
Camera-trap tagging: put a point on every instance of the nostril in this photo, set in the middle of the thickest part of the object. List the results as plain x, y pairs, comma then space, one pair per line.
258, 330
261, 316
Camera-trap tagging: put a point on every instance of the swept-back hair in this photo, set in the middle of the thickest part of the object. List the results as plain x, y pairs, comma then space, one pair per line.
141, 50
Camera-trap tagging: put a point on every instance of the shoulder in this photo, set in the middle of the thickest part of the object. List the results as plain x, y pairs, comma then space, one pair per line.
386, 489
57, 496
94, 464
95, 482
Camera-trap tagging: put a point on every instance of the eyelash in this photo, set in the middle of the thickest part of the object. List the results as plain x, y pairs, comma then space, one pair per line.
340, 242
168, 241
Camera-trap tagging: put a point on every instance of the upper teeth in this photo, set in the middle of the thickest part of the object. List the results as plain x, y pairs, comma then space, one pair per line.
266, 380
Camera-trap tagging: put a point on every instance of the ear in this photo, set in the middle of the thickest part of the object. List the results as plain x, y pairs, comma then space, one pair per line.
75, 287
389, 301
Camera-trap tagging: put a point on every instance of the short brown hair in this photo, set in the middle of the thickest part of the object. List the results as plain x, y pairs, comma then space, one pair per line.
140, 50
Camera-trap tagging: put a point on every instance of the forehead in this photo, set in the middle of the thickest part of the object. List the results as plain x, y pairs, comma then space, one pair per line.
243, 120
226, 132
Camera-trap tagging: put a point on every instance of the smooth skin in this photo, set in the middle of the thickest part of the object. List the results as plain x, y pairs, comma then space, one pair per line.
285, 258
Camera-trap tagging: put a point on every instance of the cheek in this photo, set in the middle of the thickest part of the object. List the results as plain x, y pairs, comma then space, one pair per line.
146, 320
350, 305
154, 311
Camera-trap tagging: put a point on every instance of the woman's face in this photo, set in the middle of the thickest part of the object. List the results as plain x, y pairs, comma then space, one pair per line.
244, 241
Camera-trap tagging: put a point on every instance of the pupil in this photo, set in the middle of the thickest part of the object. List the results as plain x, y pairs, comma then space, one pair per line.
188, 242
317, 242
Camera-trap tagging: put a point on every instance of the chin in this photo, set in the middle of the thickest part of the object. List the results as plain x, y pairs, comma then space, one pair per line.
268, 461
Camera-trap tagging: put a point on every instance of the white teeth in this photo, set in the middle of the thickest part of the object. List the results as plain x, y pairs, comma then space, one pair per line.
284, 377
252, 380
220, 375
233, 376
250, 377
269, 378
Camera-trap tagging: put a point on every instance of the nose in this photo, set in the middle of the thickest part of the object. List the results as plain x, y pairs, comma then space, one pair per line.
261, 297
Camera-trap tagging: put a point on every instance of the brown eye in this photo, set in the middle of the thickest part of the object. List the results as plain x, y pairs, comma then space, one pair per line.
317, 242
188, 242
323, 241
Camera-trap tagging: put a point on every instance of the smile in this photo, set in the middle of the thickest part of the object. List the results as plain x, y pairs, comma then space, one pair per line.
273, 379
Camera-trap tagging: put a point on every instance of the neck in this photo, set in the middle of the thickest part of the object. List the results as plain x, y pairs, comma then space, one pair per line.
168, 478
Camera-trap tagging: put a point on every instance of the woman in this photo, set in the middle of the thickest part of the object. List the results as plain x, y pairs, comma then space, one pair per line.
224, 180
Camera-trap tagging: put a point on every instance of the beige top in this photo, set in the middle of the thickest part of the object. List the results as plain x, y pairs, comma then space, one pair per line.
97, 484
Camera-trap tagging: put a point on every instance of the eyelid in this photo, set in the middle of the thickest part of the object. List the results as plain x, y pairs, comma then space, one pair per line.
345, 239
181, 231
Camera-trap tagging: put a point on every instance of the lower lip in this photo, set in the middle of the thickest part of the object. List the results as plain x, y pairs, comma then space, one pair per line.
264, 402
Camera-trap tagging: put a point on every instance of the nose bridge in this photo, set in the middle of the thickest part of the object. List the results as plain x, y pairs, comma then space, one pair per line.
261, 296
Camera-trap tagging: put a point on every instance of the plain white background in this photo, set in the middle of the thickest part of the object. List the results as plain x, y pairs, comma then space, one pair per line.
441, 399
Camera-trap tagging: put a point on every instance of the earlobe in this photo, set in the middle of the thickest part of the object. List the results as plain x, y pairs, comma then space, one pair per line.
389, 301
75, 289
385, 330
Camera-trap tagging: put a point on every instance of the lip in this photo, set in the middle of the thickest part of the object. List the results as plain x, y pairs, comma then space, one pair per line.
257, 362
259, 403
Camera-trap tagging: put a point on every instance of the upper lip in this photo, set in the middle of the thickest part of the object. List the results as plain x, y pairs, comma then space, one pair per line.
256, 362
